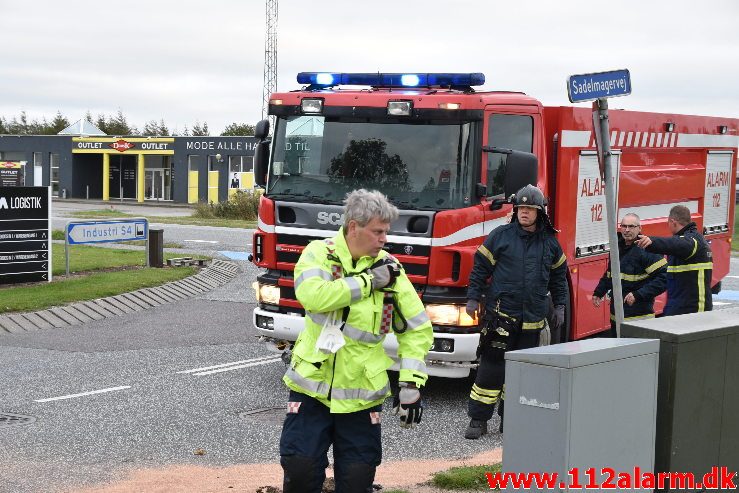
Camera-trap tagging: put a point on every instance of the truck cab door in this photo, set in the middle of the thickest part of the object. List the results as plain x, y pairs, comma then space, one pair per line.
508, 127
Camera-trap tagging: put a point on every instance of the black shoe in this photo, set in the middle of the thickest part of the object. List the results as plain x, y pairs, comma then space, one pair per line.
476, 429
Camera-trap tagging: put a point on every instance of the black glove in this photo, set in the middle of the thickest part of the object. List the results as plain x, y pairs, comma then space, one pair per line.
408, 405
473, 306
558, 318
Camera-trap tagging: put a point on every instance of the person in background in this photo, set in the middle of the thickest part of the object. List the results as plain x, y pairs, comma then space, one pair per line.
689, 263
643, 275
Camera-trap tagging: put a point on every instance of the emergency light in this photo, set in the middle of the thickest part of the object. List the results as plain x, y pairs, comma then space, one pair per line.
327, 79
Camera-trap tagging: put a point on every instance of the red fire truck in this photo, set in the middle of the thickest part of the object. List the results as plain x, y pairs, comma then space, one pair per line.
447, 155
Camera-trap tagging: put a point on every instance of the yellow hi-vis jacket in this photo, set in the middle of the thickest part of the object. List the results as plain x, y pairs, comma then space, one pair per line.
355, 377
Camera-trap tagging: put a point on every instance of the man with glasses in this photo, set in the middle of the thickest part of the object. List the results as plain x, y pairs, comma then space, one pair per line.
643, 275
689, 263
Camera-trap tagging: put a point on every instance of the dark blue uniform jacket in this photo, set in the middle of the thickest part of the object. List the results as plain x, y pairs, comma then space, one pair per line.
689, 269
523, 267
642, 273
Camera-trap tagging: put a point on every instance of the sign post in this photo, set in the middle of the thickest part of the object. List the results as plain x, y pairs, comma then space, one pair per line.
107, 231
598, 87
25, 234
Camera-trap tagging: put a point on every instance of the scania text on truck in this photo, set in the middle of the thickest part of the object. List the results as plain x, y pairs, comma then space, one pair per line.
447, 155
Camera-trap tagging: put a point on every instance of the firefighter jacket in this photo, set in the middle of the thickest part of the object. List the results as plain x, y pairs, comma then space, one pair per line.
523, 267
689, 269
354, 378
642, 273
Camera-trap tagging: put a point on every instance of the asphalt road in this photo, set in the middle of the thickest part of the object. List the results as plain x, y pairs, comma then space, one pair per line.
150, 389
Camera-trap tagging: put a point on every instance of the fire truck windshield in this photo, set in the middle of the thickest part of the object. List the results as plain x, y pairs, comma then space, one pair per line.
419, 165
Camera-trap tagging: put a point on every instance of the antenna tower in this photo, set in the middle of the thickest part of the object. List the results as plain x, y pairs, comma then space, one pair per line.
270, 56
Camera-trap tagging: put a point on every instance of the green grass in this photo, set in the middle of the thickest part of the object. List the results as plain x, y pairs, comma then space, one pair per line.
465, 478
189, 220
88, 287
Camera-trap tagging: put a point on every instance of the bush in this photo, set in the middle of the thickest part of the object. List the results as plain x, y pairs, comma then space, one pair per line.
242, 205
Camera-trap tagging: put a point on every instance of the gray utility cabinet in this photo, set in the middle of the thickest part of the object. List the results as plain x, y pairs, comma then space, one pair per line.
582, 404
698, 411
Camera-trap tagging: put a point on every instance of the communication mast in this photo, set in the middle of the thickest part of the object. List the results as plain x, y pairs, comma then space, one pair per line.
270, 56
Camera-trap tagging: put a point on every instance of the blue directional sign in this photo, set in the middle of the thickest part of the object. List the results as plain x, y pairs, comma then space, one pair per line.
107, 231
589, 87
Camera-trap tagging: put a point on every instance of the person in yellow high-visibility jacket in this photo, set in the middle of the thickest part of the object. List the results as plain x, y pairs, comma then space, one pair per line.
338, 380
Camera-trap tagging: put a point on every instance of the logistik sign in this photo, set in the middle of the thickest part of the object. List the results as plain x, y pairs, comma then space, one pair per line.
589, 87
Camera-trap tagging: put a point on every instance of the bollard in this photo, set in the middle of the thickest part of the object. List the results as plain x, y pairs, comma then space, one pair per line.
156, 248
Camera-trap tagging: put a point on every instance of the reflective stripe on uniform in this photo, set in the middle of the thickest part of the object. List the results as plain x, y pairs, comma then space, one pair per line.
348, 330
533, 325
483, 395
486, 253
418, 320
690, 267
412, 364
701, 290
310, 385
658, 264
559, 262
361, 335
634, 277
308, 273
695, 248
363, 394
354, 288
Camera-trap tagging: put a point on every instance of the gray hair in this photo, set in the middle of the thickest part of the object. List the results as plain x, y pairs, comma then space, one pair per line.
631, 214
364, 205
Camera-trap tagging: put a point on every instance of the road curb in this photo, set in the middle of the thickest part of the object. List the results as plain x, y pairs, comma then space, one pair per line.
218, 273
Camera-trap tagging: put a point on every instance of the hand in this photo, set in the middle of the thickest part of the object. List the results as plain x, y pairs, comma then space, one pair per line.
558, 319
383, 275
630, 299
597, 301
472, 308
408, 405
643, 241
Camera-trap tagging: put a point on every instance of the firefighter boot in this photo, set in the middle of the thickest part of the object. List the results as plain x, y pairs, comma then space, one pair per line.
476, 429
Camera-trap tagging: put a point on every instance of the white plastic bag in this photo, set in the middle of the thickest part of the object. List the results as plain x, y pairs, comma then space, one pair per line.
331, 339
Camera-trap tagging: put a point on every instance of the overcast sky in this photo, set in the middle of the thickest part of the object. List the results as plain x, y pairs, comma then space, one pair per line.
187, 61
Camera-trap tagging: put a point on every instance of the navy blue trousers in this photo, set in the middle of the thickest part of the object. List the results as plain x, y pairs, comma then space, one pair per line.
307, 435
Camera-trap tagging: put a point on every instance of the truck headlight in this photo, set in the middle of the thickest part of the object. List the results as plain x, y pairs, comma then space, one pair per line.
449, 315
267, 293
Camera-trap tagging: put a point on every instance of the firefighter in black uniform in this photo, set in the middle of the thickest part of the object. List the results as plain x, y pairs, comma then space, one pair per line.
689, 264
643, 275
525, 261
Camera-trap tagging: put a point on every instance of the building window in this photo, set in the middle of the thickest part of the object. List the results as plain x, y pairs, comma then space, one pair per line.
54, 164
241, 164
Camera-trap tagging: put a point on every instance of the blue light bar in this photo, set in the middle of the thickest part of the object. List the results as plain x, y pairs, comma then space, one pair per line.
327, 79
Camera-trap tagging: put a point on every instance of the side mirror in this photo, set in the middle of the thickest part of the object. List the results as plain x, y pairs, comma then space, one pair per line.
522, 168
261, 160
261, 131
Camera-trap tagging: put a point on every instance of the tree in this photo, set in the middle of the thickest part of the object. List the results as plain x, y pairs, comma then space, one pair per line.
119, 125
163, 130
200, 131
102, 123
238, 129
151, 128
365, 163
58, 124
88, 117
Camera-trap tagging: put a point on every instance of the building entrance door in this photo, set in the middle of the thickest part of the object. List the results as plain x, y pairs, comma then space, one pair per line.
154, 184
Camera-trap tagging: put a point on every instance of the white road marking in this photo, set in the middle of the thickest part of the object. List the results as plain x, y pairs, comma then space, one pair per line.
719, 303
202, 241
71, 396
733, 277
238, 367
265, 359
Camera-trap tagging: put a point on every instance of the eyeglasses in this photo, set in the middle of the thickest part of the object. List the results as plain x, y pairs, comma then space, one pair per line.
629, 226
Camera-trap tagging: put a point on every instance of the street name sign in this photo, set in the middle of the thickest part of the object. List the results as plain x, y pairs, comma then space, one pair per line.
25, 234
589, 87
81, 232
